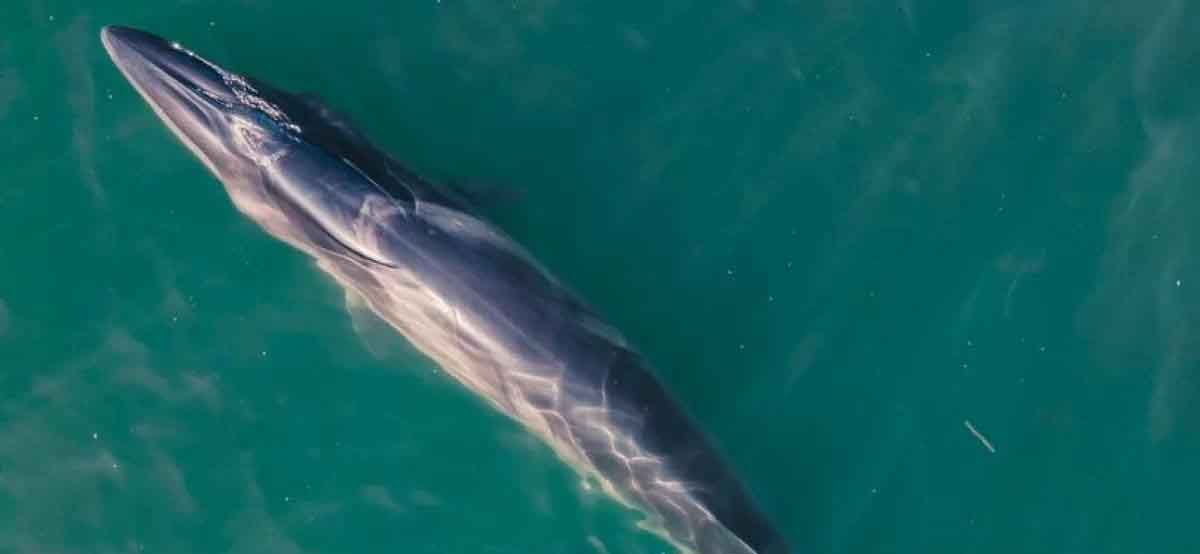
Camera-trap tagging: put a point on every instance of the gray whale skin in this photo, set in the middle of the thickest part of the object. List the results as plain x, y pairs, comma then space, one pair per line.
457, 288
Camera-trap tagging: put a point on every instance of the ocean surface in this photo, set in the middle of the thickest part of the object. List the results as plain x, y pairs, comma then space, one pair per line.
927, 272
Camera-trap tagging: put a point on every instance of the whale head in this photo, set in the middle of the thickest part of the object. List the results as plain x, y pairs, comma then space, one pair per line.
225, 119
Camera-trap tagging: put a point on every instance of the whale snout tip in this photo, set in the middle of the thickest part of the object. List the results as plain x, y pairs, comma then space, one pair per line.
121, 32
113, 35
120, 41
107, 31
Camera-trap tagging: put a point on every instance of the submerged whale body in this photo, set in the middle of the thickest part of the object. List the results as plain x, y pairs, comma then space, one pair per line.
457, 288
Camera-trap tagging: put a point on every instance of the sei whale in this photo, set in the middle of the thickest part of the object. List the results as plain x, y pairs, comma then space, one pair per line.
456, 287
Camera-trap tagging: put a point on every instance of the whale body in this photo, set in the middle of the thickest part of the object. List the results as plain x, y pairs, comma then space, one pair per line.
457, 288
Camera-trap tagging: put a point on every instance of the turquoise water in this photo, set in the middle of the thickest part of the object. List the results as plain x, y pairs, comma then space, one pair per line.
848, 234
